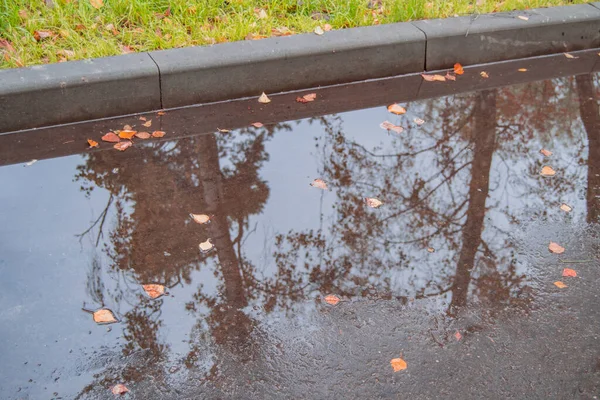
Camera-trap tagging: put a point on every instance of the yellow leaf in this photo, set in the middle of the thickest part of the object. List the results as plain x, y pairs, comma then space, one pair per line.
484, 74
398, 364
264, 99
97, 4
127, 134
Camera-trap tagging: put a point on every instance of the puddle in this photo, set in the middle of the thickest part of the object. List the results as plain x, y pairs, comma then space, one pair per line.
457, 241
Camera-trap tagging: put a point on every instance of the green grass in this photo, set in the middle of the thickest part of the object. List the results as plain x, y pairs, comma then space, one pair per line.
81, 31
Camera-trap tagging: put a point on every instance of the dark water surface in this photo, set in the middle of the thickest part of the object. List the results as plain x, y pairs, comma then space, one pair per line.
460, 244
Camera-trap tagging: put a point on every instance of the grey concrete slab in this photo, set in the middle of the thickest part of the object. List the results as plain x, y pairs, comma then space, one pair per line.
233, 70
75, 91
595, 4
502, 36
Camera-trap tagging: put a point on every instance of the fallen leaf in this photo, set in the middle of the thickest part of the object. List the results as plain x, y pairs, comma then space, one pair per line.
264, 99
484, 74
104, 316
41, 35
565, 207
522, 69
260, 13
569, 272
255, 36
556, 248
524, 18
457, 335
431, 78
431, 249
147, 124
327, 27
547, 171
142, 118
143, 135
388, 126
319, 183
154, 290
398, 364
66, 53
458, 69
23, 13
332, 299
119, 389
161, 113
127, 134
373, 202
307, 98
158, 134
419, 121
205, 247
122, 146
127, 128
126, 49
450, 77
546, 153
200, 218
560, 285
97, 4
396, 109
223, 130
570, 55
257, 125
111, 138
319, 31
281, 31
92, 143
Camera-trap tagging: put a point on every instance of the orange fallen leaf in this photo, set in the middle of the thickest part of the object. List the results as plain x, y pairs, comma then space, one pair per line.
522, 69
319, 183
161, 113
97, 4
547, 171
556, 248
419, 121
569, 272
570, 55
388, 126
307, 98
142, 135
458, 69
546, 153
122, 146
257, 125
398, 364
42, 34
431, 78
566, 207
484, 74
524, 18
264, 99
431, 250
158, 134
119, 389
206, 246
319, 31
111, 138
104, 316
457, 335
147, 124
154, 290
396, 109
560, 285
332, 299
373, 202
327, 27
200, 218
127, 134
450, 77
92, 143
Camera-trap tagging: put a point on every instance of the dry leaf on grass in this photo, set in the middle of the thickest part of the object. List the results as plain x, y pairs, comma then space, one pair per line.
484, 74
158, 134
42, 34
97, 4
547, 171
260, 13
396, 109
257, 125
458, 69
92, 143
522, 69
104, 316
546, 153
206, 246
319, 183
431, 78
373, 202
566, 207
569, 272
281, 31
327, 27
147, 124
119, 389
127, 134
398, 364
388, 126
124, 145
556, 248
111, 138
154, 290
319, 31
143, 135
570, 55
264, 99
560, 285
307, 98
332, 299
200, 218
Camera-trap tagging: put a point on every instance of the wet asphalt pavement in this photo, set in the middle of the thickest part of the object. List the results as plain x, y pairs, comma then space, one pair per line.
452, 273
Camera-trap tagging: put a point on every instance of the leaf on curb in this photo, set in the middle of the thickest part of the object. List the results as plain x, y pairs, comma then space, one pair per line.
569, 55
200, 218
431, 78
158, 134
398, 364
560, 285
373, 202
119, 389
396, 109
206, 246
154, 290
546, 153
111, 138
264, 99
319, 31
556, 248
484, 74
257, 124
104, 316
319, 184
92, 143
547, 171
127, 134
566, 207
143, 135
388, 126
569, 272
97, 4
307, 98
332, 299
458, 69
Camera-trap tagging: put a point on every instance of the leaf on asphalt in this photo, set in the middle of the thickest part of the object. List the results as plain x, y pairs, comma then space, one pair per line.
143, 135
431, 250
457, 335
450, 77
522, 69
200, 218
332, 299
104, 316
154, 290
419, 121
319, 183
566, 207
147, 124
560, 285
158, 134
319, 31
556, 248
569, 272
570, 55
97, 4
111, 138
546, 153
42, 34
388, 126
398, 364
524, 18
327, 27
92, 143
547, 171
257, 124
396, 109
264, 99
206, 246
458, 69
373, 202
307, 98
119, 389
124, 145
127, 134
127, 128
484, 74
431, 78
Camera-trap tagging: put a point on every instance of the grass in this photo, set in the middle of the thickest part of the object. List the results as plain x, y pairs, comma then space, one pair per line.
78, 30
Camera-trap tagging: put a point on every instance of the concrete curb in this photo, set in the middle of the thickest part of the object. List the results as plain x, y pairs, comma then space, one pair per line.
107, 87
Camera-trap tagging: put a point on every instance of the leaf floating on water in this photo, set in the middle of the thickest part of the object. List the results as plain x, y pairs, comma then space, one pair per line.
431, 78
104, 316
484, 74
154, 290
431, 249
205, 247
419, 121
264, 99
560, 285
570, 55
388, 126
522, 69
257, 125
200, 218
158, 134
119, 389
319, 184
111, 138
458, 69
398, 364
547, 171
319, 31
307, 98
127, 134
569, 272
396, 109
556, 248
332, 299
373, 202
566, 207
92, 143
122, 146
546, 153
524, 18
147, 124
457, 335
143, 135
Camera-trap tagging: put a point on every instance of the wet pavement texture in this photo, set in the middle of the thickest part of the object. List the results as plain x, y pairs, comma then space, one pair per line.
452, 273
